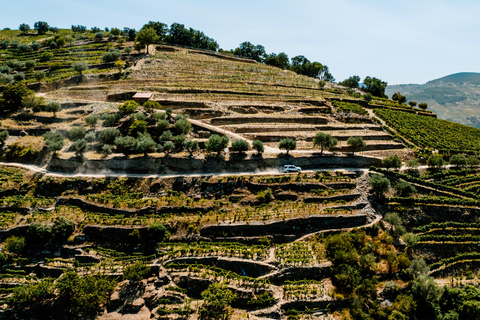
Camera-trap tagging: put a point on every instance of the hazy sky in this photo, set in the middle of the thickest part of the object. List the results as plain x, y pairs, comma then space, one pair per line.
397, 41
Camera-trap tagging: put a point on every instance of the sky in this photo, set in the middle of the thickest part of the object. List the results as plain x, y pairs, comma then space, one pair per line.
400, 42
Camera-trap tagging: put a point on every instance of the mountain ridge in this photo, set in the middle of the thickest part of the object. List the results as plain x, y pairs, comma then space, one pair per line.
454, 97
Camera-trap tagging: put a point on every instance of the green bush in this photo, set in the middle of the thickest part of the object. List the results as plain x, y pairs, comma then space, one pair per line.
158, 232
258, 146
138, 126
216, 143
108, 136
79, 147
380, 184
15, 244
182, 126
112, 55
392, 161
128, 107
92, 119
62, 228
265, 195
136, 271
405, 188
240, 146
76, 133
287, 144
111, 119
126, 144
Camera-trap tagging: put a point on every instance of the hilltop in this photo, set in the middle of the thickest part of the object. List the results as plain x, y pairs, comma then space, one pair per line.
454, 97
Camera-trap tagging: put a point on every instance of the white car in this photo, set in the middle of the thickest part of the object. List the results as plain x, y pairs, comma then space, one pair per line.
291, 168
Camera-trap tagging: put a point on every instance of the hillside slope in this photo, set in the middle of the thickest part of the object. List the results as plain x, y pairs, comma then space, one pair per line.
455, 97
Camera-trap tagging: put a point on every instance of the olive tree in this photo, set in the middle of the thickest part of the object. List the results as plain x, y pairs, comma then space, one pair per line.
146, 37
357, 144
379, 184
287, 144
216, 143
80, 66
240, 146
53, 107
325, 141
258, 146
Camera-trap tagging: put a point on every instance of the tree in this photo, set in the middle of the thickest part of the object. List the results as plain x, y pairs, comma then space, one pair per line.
76, 133
412, 103
24, 28
397, 96
53, 107
182, 126
160, 28
79, 29
248, 50
41, 26
191, 146
423, 106
150, 106
392, 161
137, 127
54, 141
145, 144
111, 55
218, 297
119, 65
115, 32
146, 37
375, 86
216, 143
128, 107
240, 146
80, 66
3, 136
352, 82
405, 188
109, 135
14, 94
39, 75
280, 61
258, 146
357, 144
168, 146
136, 271
368, 97
435, 162
287, 144
158, 231
325, 141
472, 161
126, 144
79, 147
92, 119
380, 184
458, 160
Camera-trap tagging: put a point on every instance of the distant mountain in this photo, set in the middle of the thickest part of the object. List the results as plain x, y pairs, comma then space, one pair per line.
455, 97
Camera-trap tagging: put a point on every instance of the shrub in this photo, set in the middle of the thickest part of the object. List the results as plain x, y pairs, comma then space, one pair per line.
5, 69
405, 188
128, 107
111, 119
458, 160
15, 64
379, 184
145, 143
55, 66
34, 103
435, 162
158, 116
191, 146
79, 147
166, 136
182, 126
19, 76
35, 46
179, 140
138, 126
216, 143
3, 136
162, 125
258, 146
76, 133
218, 297
287, 144
80, 66
46, 56
473, 161
14, 94
151, 105
90, 136
62, 228
392, 161
53, 107
119, 65
108, 136
112, 55
92, 119
39, 75
30, 64
5, 78
168, 146
136, 271
107, 149
265, 195
126, 144
240, 146
54, 141
15, 244
158, 232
